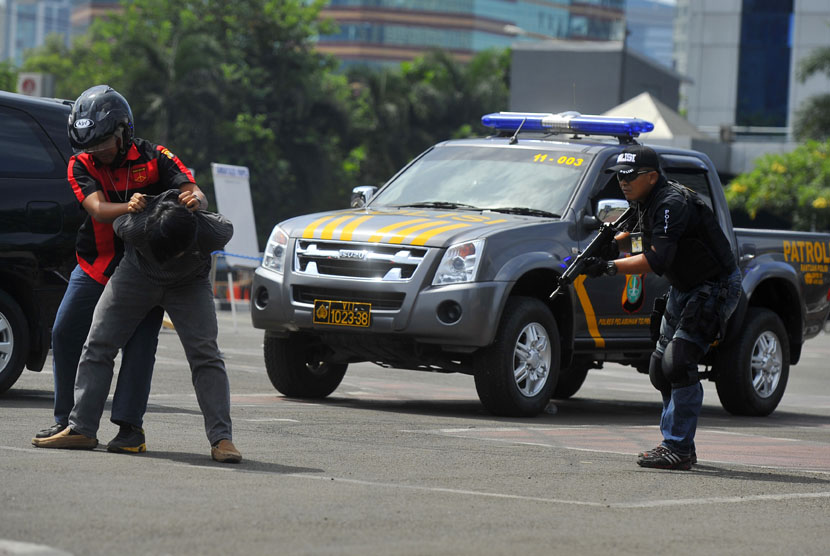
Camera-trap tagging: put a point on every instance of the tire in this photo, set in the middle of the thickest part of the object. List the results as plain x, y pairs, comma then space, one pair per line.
751, 373
571, 379
14, 341
294, 368
517, 373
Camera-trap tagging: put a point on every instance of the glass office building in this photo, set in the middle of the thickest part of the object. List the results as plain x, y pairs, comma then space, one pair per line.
27, 23
764, 62
378, 31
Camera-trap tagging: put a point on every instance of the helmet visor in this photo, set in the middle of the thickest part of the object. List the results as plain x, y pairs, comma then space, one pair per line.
106, 144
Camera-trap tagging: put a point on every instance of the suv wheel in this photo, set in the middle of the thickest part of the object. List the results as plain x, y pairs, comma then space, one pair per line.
14, 341
296, 370
751, 372
517, 373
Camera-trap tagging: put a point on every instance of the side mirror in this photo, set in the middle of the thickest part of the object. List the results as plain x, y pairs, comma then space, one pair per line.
608, 210
361, 195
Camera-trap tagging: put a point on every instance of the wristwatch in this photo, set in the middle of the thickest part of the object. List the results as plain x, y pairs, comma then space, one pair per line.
610, 268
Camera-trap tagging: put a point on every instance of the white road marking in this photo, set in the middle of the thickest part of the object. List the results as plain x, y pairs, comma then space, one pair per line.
645, 504
458, 433
268, 420
15, 548
564, 501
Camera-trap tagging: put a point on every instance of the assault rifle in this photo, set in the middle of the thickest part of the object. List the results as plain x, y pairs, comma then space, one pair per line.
606, 233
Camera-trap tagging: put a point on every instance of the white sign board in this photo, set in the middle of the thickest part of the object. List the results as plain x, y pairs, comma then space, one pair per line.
233, 200
35, 84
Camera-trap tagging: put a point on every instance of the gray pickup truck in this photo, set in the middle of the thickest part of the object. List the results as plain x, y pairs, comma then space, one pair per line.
449, 267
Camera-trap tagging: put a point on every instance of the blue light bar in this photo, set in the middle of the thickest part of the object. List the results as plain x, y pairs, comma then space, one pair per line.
567, 122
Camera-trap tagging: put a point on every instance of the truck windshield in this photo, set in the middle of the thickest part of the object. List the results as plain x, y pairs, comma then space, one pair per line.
478, 178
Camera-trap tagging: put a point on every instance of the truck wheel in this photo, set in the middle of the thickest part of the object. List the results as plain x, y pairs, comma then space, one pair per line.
571, 379
751, 372
294, 367
516, 374
14, 341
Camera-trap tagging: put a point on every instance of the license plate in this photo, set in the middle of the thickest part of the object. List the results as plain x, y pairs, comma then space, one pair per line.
342, 313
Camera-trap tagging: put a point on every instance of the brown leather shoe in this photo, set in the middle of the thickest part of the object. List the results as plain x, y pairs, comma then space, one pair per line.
225, 452
66, 439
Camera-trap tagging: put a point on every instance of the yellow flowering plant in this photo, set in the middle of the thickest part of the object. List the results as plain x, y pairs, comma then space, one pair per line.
794, 187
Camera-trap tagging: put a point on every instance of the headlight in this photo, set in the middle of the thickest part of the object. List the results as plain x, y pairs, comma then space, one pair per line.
459, 264
275, 251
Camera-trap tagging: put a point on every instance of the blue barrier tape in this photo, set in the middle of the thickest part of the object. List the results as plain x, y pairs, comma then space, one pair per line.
226, 254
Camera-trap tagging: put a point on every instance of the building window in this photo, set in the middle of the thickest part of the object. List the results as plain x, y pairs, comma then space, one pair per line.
764, 63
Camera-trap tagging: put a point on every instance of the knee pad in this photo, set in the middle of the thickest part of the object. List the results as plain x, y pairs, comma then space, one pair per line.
680, 363
655, 373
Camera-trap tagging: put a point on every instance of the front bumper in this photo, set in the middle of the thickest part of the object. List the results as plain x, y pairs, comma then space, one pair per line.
274, 308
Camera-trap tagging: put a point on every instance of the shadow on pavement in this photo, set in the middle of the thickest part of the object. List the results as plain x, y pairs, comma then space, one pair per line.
27, 398
574, 411
770, 476
246, 466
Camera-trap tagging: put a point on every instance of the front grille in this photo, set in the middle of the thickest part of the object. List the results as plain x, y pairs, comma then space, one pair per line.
363, 261
380, 300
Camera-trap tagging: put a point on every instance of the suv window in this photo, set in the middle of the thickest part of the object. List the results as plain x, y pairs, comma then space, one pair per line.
696, 181
691, 173
25, 150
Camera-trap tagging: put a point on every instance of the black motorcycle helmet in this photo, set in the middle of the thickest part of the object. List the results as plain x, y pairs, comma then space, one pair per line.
99, 112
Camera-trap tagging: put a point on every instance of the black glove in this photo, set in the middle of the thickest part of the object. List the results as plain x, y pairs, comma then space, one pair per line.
610, 251
595, 267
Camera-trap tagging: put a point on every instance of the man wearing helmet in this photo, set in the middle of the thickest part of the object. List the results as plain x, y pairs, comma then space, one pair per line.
110, 174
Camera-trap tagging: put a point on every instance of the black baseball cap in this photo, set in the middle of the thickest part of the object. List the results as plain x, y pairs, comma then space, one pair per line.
634, 157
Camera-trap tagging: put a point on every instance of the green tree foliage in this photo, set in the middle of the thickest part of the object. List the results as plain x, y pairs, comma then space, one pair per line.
242, 86
794, 187
246, 86
400, 112
812, 120
8, 77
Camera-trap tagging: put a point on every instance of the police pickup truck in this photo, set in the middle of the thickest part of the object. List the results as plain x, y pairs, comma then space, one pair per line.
449, 267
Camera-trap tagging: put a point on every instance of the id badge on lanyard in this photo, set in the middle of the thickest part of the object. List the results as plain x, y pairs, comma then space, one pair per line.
636, 243
631, 244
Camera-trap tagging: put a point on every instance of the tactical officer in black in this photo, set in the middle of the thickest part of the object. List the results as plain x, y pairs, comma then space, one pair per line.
683, 242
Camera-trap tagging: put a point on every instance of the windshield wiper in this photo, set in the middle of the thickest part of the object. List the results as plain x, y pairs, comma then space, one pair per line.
524, 211
441, 204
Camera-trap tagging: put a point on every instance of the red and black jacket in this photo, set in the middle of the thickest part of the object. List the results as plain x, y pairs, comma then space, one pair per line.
148, 169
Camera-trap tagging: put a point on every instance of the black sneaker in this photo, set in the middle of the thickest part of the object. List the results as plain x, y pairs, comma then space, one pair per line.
51, 431
693, 457
129, 440
663, 458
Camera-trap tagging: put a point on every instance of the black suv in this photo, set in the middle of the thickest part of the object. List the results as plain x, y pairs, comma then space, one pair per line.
39, 219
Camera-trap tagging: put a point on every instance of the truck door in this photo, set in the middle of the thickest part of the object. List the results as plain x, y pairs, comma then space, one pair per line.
615, 310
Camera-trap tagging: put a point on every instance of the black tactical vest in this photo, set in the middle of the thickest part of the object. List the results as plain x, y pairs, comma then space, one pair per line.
703, 252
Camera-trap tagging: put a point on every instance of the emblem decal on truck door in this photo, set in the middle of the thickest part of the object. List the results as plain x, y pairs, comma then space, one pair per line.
633, 294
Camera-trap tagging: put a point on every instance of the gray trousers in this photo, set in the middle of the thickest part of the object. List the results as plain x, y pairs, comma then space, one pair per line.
126, 300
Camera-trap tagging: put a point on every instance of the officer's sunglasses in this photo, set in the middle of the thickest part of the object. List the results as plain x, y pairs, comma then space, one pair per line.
632, 176
100, 146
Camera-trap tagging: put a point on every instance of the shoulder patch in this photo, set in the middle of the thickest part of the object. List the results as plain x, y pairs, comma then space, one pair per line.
168, 154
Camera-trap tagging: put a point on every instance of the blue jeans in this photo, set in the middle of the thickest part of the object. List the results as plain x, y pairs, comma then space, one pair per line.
681, 406
69, 333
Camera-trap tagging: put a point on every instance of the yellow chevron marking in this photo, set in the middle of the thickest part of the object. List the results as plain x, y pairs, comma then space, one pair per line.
308, 233
346, 234
398, 237
328, 231
495, 221
378, 235
588, 309
424, 237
